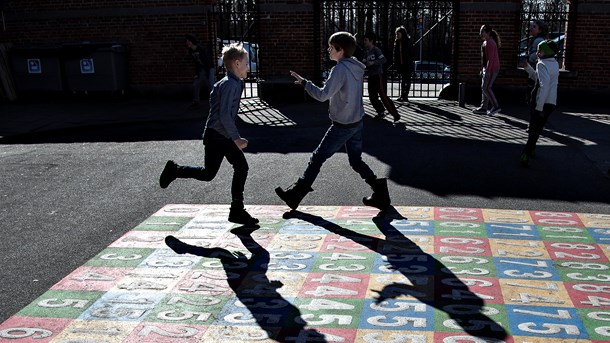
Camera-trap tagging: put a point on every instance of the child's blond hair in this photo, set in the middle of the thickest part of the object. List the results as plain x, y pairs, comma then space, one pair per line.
232, 52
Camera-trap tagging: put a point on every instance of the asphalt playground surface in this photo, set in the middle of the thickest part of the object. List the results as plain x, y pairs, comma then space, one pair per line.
80, 200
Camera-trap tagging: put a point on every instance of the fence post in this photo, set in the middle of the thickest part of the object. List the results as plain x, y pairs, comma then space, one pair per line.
462, 94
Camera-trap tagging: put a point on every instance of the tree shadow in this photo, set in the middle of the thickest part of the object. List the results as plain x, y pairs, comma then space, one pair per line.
432, 283
274, 314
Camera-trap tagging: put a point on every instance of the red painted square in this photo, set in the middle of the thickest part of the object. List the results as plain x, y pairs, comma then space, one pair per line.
545, 218
581, 252
93, 278
462, 246
30, 329
589, 294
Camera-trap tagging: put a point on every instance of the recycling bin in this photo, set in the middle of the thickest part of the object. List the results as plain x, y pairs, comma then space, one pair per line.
95, 67
37, 68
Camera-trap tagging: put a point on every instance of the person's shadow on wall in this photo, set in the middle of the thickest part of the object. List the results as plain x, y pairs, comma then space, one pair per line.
447, 291
274, 314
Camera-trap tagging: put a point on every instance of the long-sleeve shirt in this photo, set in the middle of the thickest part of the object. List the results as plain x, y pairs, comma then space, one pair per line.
546, 76
376, 56
493, 59
224, 105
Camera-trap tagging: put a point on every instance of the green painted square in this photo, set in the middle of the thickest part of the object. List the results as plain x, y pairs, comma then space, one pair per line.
120, 257
343, 262
340, 313
457, 316
577, 271
188, 309
596, 322
468, 266
163, 223
61, 304
565, 234
460, 229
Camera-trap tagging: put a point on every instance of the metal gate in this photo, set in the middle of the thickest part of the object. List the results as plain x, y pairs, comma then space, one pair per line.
237, 21
429, 23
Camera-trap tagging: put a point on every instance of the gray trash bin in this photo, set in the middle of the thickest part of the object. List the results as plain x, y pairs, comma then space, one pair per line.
95, 67
36, 68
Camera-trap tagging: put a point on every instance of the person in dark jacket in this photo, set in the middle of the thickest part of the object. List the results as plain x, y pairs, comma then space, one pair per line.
374, 61
403, 61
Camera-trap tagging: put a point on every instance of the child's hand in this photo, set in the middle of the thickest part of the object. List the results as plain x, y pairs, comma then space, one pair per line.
524, 64
241, 143
299, 80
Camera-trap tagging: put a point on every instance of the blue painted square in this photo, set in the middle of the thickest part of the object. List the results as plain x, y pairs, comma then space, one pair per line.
397, 315
414, 227
543, 321
512, 231
123, 306
526, 269
601, 235
298, 226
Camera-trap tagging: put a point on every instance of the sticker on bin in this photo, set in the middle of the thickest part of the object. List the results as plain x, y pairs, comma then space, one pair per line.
34, 66
86, 66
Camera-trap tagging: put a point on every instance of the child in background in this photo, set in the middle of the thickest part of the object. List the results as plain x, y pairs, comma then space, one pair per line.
343, 89
221, 138
544, 95
374, 61
489, 70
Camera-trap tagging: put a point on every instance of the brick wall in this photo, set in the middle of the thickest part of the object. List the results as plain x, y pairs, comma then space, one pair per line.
153, 30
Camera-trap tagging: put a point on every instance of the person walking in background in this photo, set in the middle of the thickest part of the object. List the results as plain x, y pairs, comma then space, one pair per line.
374, 61
544, 95
204, 68
221, 138
490, 67
403, 61
343, 89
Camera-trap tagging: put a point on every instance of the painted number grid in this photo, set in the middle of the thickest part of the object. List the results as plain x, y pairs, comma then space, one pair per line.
337, 274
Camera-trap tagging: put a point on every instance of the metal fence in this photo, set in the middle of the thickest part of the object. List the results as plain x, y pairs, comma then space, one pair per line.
429, 23
554, 13
237, 21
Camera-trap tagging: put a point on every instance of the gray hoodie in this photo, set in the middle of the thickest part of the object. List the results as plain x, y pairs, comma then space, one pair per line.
344, 88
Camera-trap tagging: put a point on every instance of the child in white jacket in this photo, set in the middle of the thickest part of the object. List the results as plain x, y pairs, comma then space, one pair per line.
544, 95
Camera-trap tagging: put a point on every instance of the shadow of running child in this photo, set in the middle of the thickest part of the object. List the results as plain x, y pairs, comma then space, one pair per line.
441, 289
274, 314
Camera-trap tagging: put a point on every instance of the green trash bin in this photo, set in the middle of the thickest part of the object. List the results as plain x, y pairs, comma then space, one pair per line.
95, 67
36, 68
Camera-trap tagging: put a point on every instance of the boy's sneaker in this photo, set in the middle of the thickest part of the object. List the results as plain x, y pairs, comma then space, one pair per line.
479, 110
240, 216
176, 245
168, 174
494, 111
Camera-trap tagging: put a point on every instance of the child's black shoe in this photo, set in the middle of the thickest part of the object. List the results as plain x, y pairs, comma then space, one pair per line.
168, 174
240, 216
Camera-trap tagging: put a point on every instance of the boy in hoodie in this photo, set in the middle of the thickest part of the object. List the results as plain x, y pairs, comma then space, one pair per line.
343, 89
374, 60
544, 95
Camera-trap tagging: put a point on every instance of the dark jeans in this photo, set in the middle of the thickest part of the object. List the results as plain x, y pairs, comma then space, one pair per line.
378, 89
405, 82
218, 147
537, 122
335, 138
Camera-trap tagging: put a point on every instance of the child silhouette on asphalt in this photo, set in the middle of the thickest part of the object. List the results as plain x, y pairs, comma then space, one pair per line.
343, 89
221, 138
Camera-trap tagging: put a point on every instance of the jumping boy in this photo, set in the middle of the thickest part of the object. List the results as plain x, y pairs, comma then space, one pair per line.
343, 88
221, 138
374, 60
